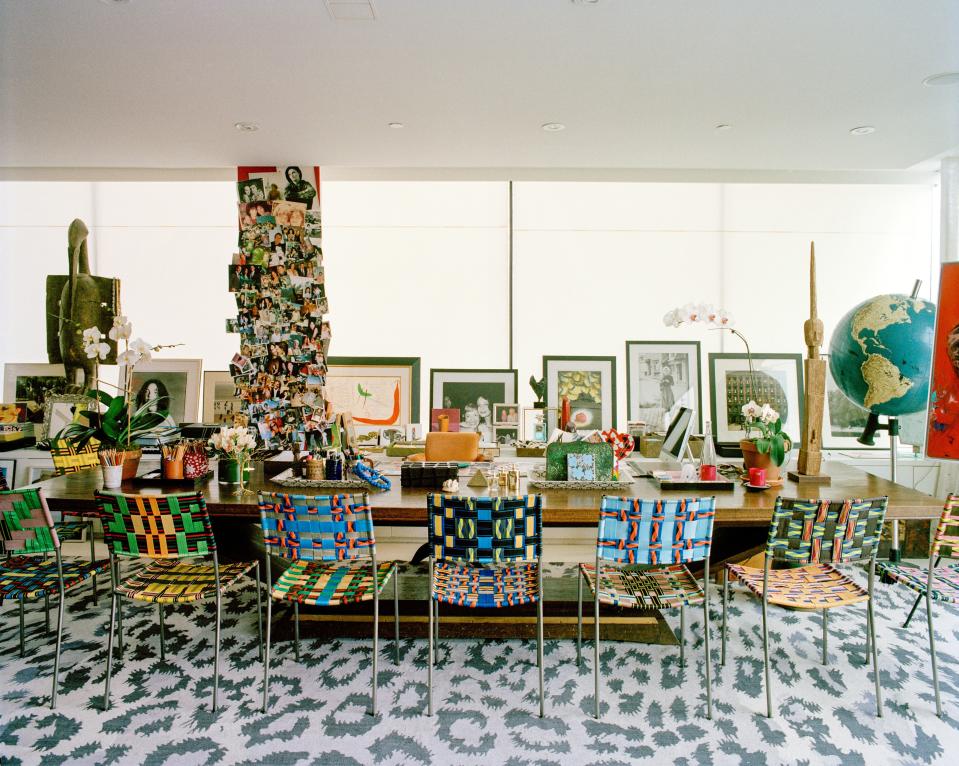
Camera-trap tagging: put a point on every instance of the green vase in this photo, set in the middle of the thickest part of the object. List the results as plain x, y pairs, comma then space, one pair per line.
228, 471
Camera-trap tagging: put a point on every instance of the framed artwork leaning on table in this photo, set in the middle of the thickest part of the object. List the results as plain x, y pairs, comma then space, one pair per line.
590, 384
473, 393
378, 391
661, 377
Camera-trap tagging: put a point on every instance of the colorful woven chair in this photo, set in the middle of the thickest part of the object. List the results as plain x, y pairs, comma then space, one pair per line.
642, 549
935, 583
172, 531
485, 552
814, 536
69, 459
27, 571
331, 542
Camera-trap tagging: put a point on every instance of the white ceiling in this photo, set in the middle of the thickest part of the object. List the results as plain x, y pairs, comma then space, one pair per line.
638, 83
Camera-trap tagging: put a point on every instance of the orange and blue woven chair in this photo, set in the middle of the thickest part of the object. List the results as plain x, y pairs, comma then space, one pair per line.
485, 552
935, 583
172, 532
815, 536
32, 566
331, 542
642, 549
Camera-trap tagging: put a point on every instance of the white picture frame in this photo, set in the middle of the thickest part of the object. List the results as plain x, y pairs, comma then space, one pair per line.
181, 379
219, 409
558, 371
473, 393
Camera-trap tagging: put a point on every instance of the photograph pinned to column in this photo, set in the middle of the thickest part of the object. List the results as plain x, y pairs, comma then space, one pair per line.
472, 393
776, 380
661, 377
589, 382
942, 437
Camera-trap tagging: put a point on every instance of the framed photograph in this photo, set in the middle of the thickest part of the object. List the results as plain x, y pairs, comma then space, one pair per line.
506, 414
590, 384
174, 383
777, 381
473, 393
941, 439
661, 377
452, 418
59, 411
843, 420
292, 183
32, 384
506, 436
378, 391
220, 402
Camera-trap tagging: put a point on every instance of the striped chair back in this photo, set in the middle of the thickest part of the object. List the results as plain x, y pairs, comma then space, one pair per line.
156, 526
324, 528
26, 526
485, 530
830, 531
654, 532
946, 540
69, 459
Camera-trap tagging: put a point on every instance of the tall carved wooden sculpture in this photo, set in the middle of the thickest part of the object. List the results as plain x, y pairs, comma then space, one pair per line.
810, 454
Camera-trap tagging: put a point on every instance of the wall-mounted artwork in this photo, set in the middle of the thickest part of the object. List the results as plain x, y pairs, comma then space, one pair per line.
942, 437
473, 393
376, 391
589, 382
661, 377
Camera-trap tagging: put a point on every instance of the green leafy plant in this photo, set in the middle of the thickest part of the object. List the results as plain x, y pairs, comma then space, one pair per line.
113, 422
772, 440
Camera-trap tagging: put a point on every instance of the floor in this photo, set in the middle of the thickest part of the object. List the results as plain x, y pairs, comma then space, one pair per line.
485, 695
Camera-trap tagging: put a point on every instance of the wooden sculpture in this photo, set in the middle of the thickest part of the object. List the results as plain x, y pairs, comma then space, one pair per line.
810, 454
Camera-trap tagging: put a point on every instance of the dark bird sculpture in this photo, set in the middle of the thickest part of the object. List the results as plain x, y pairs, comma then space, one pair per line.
539, 387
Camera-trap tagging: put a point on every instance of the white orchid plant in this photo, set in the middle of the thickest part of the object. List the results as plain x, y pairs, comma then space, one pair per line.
234, 442
771, 440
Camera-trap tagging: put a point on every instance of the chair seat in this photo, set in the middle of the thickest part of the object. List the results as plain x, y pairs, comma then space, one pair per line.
945, 580
31, 577
661, 587
814, 586
486, 586
168, 581
71, 530
328, 583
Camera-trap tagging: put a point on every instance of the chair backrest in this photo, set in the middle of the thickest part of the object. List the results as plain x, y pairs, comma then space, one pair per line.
452, 445
946, 540
69, 459
156, 526
831, 531
485, 530
636, 531
26, 526
324, 528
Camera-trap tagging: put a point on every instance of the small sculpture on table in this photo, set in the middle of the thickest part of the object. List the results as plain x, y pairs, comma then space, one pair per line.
539, 388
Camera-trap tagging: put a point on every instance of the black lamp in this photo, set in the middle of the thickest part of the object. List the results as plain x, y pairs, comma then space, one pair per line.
873, 425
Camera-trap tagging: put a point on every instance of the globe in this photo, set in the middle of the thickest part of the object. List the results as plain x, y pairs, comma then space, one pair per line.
881, 353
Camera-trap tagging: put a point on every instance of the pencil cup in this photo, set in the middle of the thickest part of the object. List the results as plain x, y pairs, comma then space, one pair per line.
112, 476
172, 469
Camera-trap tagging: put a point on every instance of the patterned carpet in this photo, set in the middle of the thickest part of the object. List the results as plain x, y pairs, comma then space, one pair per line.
485, 695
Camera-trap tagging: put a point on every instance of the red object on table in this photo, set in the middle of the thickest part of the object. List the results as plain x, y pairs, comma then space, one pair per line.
707, 472
757, 477
565, 413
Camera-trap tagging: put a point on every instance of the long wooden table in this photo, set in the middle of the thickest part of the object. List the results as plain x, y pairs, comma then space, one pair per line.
407, 507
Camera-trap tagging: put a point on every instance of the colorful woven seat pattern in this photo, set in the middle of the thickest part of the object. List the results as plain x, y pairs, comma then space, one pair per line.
165, 581
25, 523
68, 458
321, 583
156, 526
325, 528
945, 580
810, 531
29, 577
663, 587
490, 530
634, 531
815, 586
479, 586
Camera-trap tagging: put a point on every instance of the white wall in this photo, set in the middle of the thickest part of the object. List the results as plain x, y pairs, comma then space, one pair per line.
420, 268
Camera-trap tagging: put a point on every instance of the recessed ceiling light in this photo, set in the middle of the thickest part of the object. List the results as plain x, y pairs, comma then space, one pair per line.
553, 127
863, 130
396, 125
246, 127
943, 78
114, 2
723, 127
585, 2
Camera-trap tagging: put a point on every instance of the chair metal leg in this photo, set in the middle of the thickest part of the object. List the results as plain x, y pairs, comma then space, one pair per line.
579, 618
722, 654
266, 655
259, 607
162, 634
596, 645
396, 615
113, 615
682, 636
932, 652
875, 655
376, 640
769, 693
120, 626
296, 630
22, 633
539, 641
709, 675
436, 606
216, 652
56, 657
825, 636
429, 639
46, 612
93, 557
912, 611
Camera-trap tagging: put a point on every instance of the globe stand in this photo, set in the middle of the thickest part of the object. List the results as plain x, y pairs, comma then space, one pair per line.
868, 438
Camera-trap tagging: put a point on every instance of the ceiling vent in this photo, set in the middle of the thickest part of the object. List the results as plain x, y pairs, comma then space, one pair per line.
351, 10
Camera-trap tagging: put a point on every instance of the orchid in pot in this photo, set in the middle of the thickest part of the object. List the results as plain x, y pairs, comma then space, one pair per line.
234, 446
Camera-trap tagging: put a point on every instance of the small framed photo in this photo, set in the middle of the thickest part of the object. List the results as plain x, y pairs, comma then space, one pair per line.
451, 415
220, 400
173, 383
589, 382
32, 384
776, 380
661, 377
506, 436
506, 414
59, 411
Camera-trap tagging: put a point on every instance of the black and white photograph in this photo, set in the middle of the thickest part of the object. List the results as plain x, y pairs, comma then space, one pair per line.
661, 377
32, 384
473, 393
174, 383
250, 190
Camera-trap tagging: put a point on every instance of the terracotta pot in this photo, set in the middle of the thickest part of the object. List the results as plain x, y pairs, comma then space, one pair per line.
131, 462
753, 458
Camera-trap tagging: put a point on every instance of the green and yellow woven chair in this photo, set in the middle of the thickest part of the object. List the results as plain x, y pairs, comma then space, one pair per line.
814, 536
935, 583
172, 532
642, 549
331, 542
485, 552
32, 565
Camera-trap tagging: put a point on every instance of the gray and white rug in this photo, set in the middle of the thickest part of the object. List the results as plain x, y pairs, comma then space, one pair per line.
485, 695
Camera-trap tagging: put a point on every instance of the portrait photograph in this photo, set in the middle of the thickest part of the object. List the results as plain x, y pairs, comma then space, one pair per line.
292, 183
505, 414
173, 384
472, 393
661, 377
250, 190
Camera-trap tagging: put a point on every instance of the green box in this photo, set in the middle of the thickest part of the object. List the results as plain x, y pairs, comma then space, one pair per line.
556, 461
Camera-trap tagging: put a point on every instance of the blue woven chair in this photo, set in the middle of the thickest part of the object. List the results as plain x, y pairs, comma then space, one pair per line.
27, 570
642, 549
331, 542
485, 552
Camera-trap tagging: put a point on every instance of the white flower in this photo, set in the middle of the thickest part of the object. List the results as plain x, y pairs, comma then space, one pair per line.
751, 411
671, 319
128, 358
142, 348
92, 335
768, 415
97, 350
723, 319
121, 330
234, 441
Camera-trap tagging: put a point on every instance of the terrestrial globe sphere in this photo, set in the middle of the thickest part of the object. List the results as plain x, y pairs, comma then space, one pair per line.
881, 353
